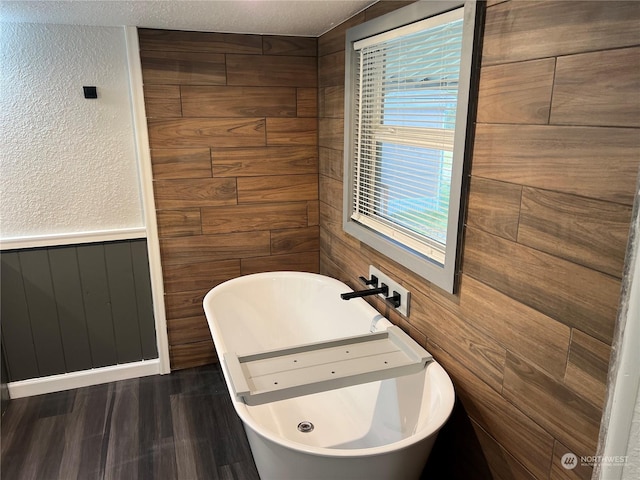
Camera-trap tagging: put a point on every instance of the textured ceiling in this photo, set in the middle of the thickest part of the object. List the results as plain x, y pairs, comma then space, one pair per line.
279, 17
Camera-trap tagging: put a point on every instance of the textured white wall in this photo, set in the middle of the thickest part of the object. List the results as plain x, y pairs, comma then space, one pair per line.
68, 164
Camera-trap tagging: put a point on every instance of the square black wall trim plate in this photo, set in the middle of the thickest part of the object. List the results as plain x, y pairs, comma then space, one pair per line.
90, 92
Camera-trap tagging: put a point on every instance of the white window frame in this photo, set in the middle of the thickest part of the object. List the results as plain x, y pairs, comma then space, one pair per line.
436, 265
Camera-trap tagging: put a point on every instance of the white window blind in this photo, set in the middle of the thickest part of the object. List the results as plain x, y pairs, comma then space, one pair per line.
404, 122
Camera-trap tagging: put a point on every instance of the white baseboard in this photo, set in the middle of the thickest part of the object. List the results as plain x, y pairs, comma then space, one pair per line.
84, 378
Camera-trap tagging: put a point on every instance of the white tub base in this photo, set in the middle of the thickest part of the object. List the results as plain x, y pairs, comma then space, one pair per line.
378, 430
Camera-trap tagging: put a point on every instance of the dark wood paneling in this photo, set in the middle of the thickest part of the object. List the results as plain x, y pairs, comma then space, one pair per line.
162, 101
331, 69
17, 339
292, 131
517, 433
38, 289
196, 192
175, 223
260, 161
313, 213
383, 7
210, 101
559, 471
598, 88
588, 232
517, 327
188, 330
587, 367
523, 30
181, 163
185, 304
65, 276
282, 188
301, 262
331, 162
331, 192
494, 207
516, 92
250, 218
564, 159
331, 133
199, 276
205, 42
206, 132
572, 294
296, 46
269, 96
307, 102
190, 355
172, 68
123, 302
271, 71
502, 464
481, 354
202, 248
295, 240
331, 102
97, 304
144, 299
552, 405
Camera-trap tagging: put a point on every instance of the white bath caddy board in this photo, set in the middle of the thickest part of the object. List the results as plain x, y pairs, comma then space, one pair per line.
291, 372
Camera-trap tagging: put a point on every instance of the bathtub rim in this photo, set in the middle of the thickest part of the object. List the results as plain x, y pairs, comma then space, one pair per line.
433, 369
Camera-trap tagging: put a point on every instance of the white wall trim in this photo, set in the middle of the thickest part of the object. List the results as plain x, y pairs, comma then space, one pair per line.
72, 238
141, 134
84, 378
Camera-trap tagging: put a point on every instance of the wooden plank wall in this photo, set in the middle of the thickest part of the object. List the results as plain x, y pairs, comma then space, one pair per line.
77, 307
555, 160
233, 131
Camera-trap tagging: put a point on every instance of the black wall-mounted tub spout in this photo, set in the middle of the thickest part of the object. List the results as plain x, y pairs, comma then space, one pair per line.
365, 293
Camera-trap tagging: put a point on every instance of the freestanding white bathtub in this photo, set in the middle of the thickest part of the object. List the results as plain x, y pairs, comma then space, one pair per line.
377, 430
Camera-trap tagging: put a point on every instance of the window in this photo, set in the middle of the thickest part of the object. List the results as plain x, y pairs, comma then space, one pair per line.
406, 107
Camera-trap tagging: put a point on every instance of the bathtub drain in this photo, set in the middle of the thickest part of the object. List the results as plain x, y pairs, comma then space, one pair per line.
305, 427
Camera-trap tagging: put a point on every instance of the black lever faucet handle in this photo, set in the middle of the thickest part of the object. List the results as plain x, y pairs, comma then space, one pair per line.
372, 281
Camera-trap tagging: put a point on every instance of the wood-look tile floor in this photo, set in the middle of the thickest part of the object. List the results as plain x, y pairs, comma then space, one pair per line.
180, 426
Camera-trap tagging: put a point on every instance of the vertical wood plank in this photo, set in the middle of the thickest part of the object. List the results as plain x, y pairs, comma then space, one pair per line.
123, 302
17, 339
68, 296
144, 300
97, 304
45, 326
